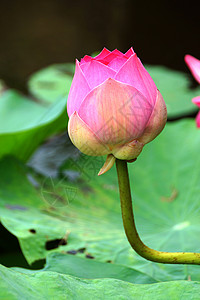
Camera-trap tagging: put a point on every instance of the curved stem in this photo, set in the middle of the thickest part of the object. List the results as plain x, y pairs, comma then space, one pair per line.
131, 231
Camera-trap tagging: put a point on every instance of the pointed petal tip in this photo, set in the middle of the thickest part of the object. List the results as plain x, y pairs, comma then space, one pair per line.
110, 160
129, 53
102, 54
187, 56
141, 80
196, 101
194, 66
104, 48
117, 52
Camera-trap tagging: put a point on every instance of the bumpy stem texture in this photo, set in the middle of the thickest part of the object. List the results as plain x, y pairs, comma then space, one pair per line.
131, 231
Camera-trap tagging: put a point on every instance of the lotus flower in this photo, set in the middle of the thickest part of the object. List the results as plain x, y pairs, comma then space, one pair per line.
194, 66
114, 106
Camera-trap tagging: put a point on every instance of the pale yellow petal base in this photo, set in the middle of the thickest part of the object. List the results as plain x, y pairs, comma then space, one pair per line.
128, 151
84, 139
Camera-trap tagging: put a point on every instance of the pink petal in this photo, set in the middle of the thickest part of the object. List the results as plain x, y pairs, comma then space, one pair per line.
114, 54
134, 73
156, 121
85, 59
117, 63
118, 53
108, 59
198, 120
79, 89
129, 52
96, 73
103, 54
115, 112
83, 137
196, 101
194, 66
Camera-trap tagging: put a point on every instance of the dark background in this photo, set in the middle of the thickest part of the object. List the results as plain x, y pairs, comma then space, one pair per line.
37, 33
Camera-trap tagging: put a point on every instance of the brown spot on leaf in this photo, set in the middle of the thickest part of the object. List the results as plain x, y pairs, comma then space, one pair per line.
73, 252
32, 231
172, 197
16, 207
89, 256
81, 250
53, 244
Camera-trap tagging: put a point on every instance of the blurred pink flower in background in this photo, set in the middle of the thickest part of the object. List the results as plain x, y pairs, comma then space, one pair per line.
114, 106
194, 66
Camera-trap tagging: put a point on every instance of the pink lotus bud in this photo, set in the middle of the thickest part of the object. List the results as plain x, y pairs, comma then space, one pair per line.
114, 106
194, 66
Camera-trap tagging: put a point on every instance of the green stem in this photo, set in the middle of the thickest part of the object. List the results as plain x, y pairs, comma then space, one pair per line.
131, 231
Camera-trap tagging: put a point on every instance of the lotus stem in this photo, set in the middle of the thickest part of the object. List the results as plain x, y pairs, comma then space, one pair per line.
131, 231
